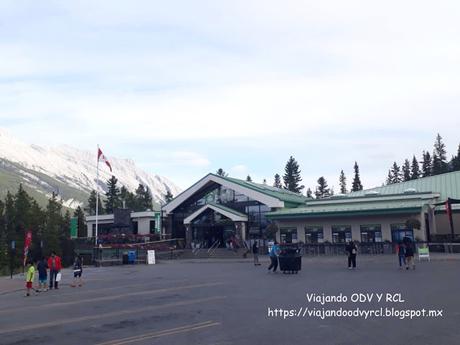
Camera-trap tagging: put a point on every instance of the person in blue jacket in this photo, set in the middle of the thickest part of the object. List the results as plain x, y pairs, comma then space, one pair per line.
274, 252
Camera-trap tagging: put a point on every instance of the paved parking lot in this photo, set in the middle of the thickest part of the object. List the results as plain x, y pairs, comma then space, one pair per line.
228, 302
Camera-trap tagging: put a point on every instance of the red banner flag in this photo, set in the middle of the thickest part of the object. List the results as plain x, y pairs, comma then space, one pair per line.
27, 243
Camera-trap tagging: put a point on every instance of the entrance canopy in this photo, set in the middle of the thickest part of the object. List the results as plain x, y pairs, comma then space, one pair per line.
225, 211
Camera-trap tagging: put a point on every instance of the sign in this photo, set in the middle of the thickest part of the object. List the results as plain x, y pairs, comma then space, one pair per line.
151, 257
74, 227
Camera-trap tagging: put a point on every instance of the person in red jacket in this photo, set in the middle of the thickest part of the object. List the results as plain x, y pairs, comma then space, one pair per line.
54, 264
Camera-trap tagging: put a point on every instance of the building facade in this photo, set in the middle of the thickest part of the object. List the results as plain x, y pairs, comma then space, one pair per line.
219, 208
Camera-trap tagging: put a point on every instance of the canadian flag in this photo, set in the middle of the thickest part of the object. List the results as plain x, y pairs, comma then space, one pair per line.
101, 157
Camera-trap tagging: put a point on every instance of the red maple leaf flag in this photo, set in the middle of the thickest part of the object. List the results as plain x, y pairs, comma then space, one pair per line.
101, 157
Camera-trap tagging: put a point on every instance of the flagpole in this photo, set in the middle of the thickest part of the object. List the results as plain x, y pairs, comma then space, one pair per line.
97, 194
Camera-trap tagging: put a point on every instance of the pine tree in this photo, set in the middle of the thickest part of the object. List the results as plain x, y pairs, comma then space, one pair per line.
414, 170
22, 203
221, 172
426, 164
248, 179
343, 183
3, 240
292, 176
113, 200
440, 165
80, 215
52, 230
396, 173
322, 190
309, 193
455, 162
389, 178
356, 185
277, 182
92, 204
406, 175
168, 196
143, 198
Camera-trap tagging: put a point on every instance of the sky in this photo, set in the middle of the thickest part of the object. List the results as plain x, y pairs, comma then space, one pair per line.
186, 87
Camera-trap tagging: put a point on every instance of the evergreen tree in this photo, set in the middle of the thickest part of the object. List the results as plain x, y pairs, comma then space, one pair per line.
22, 203
356, 185
92, 204
414, 170
322, 190
343, 183
112, 195
309, 193
292, 176
248, 178
53, 221
221, 172
440, 165
168, 196
406, 175
3, 240
80, 215
128, 199
426, 164
389, 177
277, 182
455, 162
143, 198
396, 173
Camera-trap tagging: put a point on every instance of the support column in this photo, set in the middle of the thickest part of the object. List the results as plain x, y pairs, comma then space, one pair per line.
240, 230
188, 236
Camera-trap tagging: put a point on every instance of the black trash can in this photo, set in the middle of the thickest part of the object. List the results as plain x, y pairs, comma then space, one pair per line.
125, 259
290, 259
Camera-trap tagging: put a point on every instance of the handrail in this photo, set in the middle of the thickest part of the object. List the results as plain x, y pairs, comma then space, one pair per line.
214, 249
215, 244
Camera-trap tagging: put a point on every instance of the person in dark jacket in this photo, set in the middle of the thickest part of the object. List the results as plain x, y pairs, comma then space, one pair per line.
409, 255
351, 250
77, 271
255, 253
401, 254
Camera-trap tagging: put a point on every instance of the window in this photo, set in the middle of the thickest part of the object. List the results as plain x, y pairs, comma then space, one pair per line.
94, 230
288, 235
135, 227
314, 234
341, 233
152, 227
371, 233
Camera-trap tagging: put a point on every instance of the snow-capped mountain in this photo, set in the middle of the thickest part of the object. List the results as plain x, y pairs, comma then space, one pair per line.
69, 171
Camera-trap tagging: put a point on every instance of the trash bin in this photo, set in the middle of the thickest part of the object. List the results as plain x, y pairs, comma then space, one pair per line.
125, 258
290, 259
132, 257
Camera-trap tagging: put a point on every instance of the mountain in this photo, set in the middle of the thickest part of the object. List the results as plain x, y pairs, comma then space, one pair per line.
68, 171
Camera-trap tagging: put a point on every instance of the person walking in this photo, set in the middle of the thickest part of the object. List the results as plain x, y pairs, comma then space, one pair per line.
401, 251
77, 271
55, 266
42, 268
351, 250
409, 255
255, 253
274, 257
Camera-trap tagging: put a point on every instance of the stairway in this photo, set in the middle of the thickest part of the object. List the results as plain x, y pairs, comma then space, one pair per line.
217, 253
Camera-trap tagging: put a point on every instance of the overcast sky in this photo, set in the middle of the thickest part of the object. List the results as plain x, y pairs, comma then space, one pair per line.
187, 87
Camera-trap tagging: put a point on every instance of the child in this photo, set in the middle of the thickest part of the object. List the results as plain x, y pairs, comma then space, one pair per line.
42, 267
30, 274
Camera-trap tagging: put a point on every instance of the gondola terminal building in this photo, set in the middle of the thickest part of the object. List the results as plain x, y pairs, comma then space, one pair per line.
217, 208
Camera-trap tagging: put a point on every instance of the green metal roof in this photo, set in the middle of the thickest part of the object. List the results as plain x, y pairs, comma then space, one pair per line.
281, 194
376, 207
447, 185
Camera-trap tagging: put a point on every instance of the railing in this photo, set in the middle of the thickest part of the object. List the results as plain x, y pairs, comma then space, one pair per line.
213, 247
